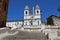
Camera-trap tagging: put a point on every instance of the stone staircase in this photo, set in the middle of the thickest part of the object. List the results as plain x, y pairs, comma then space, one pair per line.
24, 35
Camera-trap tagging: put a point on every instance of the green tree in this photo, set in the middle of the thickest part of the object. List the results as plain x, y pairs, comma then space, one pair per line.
58, 8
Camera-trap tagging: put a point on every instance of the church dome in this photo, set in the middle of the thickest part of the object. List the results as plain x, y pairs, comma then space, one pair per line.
37, 7
26, 8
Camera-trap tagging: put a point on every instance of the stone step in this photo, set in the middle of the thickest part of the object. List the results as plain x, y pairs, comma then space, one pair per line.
27, 36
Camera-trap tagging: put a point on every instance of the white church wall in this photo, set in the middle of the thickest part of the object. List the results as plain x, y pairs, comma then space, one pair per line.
26, 22
14, 24
27, 16
37, 16
35, 23
10, 24
20, 24
38, 22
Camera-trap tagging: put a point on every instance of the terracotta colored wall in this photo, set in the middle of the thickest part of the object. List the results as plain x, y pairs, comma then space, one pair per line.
3, 12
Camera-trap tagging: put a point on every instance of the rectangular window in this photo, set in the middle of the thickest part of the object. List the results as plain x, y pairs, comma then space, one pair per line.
31, 22
26, 23
38, 22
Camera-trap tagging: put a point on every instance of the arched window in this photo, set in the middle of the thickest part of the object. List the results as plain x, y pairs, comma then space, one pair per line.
26, 12
37, 11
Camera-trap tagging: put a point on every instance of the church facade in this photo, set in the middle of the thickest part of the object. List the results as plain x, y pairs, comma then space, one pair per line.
32, 21
34, 18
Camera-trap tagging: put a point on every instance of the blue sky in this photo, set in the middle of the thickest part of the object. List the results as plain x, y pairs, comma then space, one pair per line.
16, 8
